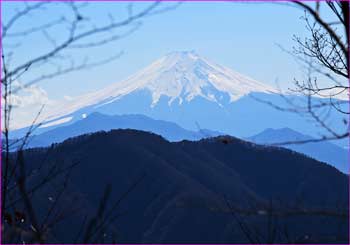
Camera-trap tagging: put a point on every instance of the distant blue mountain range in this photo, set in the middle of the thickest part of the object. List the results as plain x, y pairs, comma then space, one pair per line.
245, 117
323, 151
100, 122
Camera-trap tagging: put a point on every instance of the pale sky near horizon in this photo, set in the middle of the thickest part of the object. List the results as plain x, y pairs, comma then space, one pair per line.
242, 36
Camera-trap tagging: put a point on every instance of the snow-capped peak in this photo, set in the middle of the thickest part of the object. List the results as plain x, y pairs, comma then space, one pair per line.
185, 75
179, 76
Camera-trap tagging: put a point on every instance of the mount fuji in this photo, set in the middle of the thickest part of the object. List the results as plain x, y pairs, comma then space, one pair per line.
191, 91
175, 78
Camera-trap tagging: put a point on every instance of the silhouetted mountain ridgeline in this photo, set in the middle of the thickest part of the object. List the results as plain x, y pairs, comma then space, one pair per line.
193, 192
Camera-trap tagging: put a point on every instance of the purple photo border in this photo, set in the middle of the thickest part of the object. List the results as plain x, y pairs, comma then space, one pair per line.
219, 1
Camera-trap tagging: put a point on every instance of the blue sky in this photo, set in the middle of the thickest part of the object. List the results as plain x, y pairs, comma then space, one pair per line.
241, 36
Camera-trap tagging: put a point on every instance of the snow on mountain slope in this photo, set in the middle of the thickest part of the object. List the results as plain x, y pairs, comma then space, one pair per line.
180, 76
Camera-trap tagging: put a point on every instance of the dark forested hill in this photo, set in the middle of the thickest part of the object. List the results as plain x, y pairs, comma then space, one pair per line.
195, 192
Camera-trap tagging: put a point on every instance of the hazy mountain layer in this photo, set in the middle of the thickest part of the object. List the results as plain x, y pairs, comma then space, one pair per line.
99, 122
322, 151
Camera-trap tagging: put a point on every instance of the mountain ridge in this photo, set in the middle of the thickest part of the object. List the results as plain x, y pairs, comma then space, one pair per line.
322, 151
96, 121
181, 198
